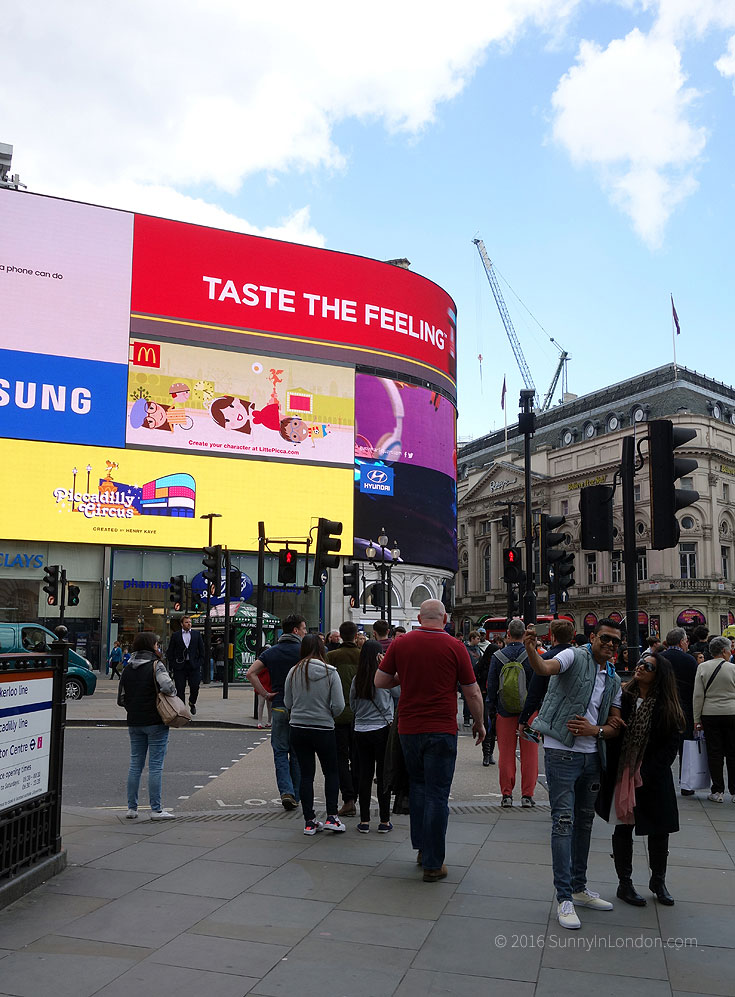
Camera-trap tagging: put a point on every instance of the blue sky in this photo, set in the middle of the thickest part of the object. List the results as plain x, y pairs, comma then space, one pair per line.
589, 144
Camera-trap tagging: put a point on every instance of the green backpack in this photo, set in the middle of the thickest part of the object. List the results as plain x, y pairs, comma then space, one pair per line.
512, 683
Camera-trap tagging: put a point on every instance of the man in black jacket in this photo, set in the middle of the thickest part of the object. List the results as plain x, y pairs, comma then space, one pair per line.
279, 660
185, 657
685, 669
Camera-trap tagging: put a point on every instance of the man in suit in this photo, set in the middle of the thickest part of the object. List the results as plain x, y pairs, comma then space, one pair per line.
185, 656
685, 669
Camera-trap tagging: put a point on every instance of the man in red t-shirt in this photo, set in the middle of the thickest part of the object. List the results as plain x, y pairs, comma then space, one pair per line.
428, 664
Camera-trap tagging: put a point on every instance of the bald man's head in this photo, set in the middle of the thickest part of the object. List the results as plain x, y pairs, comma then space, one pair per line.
432, 614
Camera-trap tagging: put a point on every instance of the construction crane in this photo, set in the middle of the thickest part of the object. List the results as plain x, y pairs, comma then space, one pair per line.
513, 337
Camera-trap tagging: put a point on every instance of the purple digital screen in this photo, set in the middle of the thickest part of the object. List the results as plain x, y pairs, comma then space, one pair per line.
402, 423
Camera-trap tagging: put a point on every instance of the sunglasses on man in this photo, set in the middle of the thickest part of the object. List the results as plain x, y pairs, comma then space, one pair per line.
609, 639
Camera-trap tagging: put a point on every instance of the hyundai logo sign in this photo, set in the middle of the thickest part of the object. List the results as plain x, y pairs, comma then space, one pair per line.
377, 476
376, 480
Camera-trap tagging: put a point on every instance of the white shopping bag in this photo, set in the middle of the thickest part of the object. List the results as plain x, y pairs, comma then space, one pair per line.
694, 767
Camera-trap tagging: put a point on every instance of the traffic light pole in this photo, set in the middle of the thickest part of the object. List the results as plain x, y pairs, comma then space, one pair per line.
62, 599
527, 425
630, 554
226, 670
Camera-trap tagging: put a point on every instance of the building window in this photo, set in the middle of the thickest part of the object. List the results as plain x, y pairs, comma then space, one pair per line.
591, 561
463, 532
420, 594
465, 582
725, 491
616, 566
642, 564
486, 576
637, 493
688, 560
725, 562
565, 507
687, 483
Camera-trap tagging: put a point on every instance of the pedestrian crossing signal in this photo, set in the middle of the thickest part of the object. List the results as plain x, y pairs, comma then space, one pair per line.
287, 561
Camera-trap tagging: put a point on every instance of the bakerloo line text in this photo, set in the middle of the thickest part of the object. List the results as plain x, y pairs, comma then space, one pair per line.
29, 394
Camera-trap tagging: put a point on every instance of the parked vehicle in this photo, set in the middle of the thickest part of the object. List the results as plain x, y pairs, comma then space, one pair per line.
15, 638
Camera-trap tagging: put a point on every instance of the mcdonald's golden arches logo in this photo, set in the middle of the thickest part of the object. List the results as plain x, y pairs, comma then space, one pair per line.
146, 354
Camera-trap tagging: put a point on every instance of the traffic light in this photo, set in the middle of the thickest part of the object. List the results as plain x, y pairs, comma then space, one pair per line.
72, 595
511, 566
351, 582
514, 603
176, 591
596, 511
212, 562
235, 584
564, 574
664, 469
377, 595
51, 577
549, 541
327, 545
287, 561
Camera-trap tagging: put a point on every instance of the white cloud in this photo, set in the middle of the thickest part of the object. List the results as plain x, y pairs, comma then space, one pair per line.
726, 63
623, 110
154, 99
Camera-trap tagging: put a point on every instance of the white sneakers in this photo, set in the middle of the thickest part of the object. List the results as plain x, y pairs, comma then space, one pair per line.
131, 815
567, 915
588, 898
162, 815
717, 797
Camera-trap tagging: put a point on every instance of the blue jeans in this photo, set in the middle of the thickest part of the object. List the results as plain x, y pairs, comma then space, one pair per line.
430, 760
154, 740
288, 774
573, 779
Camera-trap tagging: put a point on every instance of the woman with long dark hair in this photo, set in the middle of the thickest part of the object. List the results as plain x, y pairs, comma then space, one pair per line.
638, 786
313, 694
373, 710
142, 677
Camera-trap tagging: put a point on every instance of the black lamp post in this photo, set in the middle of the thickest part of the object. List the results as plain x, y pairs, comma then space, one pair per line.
386, 571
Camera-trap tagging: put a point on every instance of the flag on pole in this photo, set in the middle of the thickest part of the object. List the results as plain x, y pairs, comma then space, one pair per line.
502, 395
676, 317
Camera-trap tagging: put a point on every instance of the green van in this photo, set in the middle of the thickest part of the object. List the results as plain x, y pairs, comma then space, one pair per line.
15, 638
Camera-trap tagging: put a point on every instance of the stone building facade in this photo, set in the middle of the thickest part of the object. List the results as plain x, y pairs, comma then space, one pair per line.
579, 443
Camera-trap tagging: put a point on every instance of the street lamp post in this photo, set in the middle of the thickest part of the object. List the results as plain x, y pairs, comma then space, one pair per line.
386, 572
207, 622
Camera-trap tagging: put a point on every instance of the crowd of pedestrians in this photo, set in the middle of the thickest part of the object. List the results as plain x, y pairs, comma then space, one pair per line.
379, 713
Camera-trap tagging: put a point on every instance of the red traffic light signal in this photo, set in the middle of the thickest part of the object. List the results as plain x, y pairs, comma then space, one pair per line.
287, 561
511, 566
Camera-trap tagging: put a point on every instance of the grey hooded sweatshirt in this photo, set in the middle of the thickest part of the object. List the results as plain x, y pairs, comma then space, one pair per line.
317, 704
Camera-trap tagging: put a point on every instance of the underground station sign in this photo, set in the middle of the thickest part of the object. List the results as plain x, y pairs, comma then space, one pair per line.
25, 736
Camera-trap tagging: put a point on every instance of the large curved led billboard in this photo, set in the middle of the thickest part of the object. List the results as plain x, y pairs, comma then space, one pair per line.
136, 353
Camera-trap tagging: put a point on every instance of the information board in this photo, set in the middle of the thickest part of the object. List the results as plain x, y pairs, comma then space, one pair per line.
25, 736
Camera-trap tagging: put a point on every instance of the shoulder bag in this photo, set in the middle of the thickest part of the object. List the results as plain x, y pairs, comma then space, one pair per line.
172, 711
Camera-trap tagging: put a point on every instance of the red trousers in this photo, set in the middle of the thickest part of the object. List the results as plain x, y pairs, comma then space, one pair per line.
507, 731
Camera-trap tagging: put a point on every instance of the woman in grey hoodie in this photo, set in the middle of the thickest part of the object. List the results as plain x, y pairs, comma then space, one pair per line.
313, 694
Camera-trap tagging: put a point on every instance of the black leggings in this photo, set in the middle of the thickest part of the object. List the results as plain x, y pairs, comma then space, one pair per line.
311, 743
371, 754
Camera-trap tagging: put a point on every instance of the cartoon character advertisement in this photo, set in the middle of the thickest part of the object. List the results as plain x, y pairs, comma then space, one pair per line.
192, 398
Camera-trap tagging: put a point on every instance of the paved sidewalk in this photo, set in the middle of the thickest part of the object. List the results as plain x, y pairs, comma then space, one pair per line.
243, 903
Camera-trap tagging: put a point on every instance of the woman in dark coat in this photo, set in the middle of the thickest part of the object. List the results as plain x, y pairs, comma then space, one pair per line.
638, 786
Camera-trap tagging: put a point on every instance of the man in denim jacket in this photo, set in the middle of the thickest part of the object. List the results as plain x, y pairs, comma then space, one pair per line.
580, 711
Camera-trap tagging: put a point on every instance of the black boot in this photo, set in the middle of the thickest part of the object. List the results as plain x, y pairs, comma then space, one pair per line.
622, 845
658, 850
